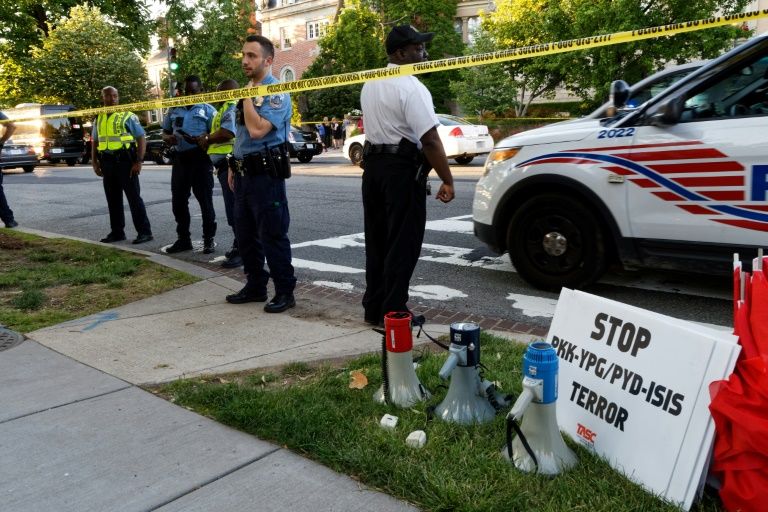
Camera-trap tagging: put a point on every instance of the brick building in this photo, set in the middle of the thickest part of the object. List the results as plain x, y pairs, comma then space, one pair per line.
295, 26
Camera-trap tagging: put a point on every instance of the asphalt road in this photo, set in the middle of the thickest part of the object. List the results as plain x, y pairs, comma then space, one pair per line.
456, 271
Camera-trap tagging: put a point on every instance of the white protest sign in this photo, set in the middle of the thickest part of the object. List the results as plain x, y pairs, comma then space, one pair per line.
633, 386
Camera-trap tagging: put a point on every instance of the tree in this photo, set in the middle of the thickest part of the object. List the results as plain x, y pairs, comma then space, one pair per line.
25, 23
588, 73
354, 43
209, 44
84, 53
484, 90
429, 16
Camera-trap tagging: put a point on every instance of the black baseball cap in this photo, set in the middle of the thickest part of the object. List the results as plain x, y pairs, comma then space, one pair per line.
403, 35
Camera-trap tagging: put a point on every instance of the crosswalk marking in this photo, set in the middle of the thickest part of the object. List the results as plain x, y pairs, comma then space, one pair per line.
476, 258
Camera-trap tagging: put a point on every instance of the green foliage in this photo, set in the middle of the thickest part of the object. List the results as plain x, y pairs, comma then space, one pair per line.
430, 16
212, 49
25, 23
485, 90
354, 43
588, 73
80, 56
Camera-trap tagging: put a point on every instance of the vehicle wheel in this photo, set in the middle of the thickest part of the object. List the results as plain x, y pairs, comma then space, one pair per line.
356, 154
71, 162
28, 168
555, 241
304, 158
165, 158
464, 160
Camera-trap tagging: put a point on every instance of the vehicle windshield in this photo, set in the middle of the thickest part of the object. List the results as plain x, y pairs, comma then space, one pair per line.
448, 120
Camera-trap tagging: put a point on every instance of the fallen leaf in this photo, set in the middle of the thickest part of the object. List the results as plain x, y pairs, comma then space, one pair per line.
357, 380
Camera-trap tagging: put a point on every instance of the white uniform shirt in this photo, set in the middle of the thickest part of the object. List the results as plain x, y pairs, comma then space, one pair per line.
394, 108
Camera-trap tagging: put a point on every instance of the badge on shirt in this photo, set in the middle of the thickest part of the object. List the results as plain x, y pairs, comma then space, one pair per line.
276, 101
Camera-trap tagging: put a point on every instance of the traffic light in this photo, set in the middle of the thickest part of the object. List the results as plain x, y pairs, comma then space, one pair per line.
173, 65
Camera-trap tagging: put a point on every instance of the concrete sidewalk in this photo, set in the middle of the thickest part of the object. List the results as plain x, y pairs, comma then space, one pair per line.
77, 434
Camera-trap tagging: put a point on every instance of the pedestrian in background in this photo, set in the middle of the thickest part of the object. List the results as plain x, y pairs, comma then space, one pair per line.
117, 153
192, 169
219, 145
321, 136
401, 136
257, 176
337, 136
6, 214
327, 134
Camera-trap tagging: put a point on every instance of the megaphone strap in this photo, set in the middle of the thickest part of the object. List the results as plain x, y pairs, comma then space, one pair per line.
512, 425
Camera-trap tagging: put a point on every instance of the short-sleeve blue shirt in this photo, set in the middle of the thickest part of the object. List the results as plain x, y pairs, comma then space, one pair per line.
275, 108
3, 116
131, 123
194, 120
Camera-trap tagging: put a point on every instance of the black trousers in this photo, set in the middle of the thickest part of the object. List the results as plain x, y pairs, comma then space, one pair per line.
222, 169
117, 181
192, 171
6, 214
395, 212
261, 227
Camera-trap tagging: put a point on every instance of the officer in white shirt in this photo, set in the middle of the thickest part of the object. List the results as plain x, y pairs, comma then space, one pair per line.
402, 145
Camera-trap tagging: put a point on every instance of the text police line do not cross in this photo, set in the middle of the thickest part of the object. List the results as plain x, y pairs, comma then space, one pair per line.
582, 43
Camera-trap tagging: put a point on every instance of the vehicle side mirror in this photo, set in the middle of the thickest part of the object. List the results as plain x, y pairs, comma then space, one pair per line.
619, 93
667, 113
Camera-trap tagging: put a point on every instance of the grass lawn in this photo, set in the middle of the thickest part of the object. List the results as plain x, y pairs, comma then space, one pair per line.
312, 411
46, 281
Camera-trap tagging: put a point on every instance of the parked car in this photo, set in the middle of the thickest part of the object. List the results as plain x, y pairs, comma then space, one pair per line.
53, 139
462, 140
18, 155
157, 150
677, 182
302, 145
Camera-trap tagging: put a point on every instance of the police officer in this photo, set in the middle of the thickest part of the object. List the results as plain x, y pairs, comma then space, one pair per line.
6, 214
258, 177
117, 152
401, 134
219, 145
192, 169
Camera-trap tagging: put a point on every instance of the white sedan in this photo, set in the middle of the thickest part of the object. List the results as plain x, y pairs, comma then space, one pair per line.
461, 140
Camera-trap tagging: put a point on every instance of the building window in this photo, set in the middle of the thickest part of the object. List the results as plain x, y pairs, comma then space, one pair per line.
473, 25
285, 40
316, 29
287, 74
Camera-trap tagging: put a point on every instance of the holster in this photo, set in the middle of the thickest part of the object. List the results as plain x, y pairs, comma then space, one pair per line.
278, 162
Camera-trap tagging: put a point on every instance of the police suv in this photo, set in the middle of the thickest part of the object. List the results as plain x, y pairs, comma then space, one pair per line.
679, 182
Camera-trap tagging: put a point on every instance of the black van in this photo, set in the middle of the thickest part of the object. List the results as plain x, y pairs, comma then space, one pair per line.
59, 139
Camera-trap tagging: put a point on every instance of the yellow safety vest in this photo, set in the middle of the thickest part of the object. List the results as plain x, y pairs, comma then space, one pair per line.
113, 136
221, 148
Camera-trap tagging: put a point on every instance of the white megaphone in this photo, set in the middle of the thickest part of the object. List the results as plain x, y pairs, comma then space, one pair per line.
400, 385
539, 446
470, 399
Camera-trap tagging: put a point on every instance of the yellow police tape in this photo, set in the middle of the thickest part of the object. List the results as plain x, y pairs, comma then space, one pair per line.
479, 59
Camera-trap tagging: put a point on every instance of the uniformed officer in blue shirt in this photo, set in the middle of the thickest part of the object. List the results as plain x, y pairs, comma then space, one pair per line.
192, 169
258, 177
117, 152
219, 145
